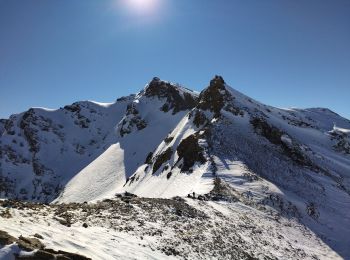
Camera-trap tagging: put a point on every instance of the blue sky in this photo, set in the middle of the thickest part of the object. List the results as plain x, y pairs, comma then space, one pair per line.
281, 52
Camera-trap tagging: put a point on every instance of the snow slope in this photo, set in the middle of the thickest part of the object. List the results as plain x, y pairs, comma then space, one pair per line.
43, 150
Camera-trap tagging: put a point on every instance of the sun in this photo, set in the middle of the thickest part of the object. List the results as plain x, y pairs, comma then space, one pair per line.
142, 6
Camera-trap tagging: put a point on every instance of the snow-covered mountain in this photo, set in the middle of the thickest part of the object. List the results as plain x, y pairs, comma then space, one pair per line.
42, 150
167, 141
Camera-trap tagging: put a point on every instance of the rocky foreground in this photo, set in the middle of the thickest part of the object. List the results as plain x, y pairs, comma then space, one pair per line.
129, 227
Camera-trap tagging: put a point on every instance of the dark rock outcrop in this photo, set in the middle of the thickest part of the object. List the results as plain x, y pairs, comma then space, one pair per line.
28, 119
162, 158
131, 120
212, 98
274, 135
199, 118
190, 151
175, 100
342, 141
217, 97
30, 244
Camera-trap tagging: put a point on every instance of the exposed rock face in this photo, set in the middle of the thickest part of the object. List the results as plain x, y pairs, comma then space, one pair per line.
36, 249
131, 120
80, 120
161, 159
5, 238
278, 137
190, 151
175, 100
29, 132
149, 158
342, 141
217, 97
212, 98
2, 125
199, 118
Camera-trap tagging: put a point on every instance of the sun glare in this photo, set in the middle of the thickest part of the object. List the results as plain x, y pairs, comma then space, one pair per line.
142, 6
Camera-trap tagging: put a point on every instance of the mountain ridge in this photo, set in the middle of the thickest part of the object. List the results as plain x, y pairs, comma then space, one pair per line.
218, 145
175, 99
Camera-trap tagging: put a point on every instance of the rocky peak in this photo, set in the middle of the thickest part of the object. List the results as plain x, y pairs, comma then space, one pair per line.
177, 98
216, 97
218, 82
159, 88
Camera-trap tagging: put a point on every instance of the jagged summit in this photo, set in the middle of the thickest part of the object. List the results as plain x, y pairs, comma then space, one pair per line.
162, 88
177, 97
217, 96
213, 97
